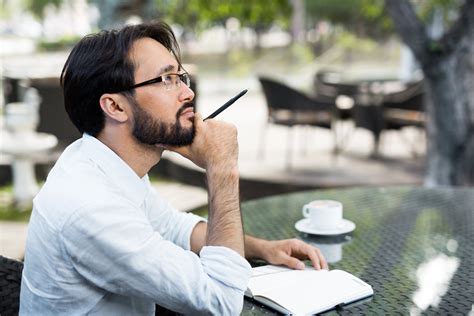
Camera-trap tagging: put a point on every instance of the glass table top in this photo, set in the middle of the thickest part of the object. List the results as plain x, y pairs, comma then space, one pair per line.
414, 245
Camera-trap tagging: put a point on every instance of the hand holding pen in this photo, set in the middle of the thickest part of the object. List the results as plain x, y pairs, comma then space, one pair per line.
199, 152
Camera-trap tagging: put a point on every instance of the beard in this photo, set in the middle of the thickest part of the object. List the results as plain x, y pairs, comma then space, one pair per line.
150, 131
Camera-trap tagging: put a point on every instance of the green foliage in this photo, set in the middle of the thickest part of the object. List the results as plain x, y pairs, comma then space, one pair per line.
349, 41
202, 211
426, 8
301, 54
12, 213
37, 6
340, 11
9, 211
368, 17
193, 14
364, 17
65, 42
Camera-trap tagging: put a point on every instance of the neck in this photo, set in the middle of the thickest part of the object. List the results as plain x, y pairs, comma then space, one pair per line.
141, 158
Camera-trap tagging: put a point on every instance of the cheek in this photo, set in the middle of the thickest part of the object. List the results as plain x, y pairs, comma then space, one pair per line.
160, 105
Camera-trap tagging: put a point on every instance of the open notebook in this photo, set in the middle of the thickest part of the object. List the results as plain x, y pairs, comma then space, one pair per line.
303, 292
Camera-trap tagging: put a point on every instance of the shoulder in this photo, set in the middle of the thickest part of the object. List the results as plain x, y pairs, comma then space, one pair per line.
68, 192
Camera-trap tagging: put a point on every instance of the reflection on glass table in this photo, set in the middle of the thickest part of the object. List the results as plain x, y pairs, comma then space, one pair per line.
414, 245
330, 246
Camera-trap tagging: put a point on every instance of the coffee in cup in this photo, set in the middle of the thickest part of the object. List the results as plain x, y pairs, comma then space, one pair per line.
323, 214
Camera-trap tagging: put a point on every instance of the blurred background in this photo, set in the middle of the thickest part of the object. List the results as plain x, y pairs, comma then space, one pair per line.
341, 93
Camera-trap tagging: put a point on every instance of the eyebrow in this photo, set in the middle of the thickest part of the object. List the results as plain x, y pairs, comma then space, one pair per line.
168, 68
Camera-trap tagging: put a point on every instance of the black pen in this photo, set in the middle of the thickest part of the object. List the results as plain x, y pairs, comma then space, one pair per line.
226, 105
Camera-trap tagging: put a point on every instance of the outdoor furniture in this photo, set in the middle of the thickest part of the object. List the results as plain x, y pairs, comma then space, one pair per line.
22, 143
53, 118
405, 108
378, 104
329, 86
10, 282
413, 245
289, 107
378, 110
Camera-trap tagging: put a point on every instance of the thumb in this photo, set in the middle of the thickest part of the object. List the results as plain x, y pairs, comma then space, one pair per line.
198, 120
198, 115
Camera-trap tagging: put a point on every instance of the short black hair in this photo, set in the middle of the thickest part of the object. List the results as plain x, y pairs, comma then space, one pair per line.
100, 63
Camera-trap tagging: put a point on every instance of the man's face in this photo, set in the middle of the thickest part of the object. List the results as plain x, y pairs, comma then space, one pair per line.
161, 115
150, 131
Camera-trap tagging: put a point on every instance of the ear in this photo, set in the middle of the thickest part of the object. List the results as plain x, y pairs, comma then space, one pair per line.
114, 107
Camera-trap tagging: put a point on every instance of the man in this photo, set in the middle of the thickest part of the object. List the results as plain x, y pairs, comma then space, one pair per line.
100, 239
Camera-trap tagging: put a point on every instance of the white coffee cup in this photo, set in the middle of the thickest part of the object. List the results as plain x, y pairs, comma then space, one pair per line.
324, 214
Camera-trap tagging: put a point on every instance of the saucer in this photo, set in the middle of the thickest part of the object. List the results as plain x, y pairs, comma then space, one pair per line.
304, 226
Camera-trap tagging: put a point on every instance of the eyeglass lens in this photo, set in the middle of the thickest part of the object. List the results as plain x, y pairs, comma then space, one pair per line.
175, 80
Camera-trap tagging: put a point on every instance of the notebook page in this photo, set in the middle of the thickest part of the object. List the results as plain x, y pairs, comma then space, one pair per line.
309, 291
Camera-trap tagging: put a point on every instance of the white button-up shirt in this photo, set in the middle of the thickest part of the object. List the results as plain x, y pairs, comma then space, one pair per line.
101, 241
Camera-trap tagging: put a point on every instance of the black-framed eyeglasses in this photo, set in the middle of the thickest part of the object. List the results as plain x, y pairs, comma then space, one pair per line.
169, 81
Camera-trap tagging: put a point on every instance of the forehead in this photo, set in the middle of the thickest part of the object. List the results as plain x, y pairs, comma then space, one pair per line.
150, 57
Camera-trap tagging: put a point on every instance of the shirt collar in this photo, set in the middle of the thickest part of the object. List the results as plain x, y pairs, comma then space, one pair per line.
122, 175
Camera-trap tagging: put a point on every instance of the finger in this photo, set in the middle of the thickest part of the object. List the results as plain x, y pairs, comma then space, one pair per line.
183, 150
292, 262
324, 263
312, 255
319, 258
198, 118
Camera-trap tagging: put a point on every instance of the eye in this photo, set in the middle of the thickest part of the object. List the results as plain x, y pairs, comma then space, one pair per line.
168, 79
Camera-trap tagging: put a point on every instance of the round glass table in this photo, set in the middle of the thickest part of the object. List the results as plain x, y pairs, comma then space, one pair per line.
414, 245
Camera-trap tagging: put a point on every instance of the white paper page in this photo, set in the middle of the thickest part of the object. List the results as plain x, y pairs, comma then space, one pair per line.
264, 278
310, 291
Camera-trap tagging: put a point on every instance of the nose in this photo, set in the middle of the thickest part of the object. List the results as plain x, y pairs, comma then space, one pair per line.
186, 94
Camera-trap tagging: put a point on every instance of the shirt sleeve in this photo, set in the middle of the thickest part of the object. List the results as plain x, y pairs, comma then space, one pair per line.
170, 223
115, 247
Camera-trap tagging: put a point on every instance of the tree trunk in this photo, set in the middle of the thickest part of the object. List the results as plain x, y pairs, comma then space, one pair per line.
448, 67
298, 29
465, 70
450, 124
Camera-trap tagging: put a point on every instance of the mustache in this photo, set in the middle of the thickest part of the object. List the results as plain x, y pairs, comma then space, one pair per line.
184, 107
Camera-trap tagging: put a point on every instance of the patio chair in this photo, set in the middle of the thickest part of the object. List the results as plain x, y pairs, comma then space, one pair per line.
289, 107
328, 86
10, 282
379, 112
406, 109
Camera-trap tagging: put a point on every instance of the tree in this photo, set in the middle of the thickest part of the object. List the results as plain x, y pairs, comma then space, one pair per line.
37, 6
114, 13
362, 17
448, 67
197, 14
